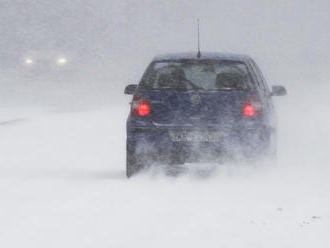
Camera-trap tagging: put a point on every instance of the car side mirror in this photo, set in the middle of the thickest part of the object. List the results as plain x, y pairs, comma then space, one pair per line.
130, 89
278, 90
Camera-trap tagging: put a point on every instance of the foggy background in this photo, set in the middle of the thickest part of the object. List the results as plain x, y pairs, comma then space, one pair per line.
114, 40
62, 139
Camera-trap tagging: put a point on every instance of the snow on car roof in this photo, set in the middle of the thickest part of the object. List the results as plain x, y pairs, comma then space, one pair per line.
205, 55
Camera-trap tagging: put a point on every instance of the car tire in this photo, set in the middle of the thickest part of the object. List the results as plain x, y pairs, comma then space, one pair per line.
268, 150
260, 147
133, 163
272, 148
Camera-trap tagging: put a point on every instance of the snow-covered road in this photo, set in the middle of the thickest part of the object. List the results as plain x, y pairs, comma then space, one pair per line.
62, 184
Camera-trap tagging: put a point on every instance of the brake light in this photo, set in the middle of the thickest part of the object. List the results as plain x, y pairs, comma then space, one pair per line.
249, 110
143, 109
140, 106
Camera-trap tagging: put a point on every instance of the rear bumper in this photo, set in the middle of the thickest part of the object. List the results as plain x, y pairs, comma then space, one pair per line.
159, 141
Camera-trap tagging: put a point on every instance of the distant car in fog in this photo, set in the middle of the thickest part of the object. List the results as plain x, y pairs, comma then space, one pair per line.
189, 108
48, 62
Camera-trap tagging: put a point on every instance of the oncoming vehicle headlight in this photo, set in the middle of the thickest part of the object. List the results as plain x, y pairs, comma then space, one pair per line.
61, 61
28, 61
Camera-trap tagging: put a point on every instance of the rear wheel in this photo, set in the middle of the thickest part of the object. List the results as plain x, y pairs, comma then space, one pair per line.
271, 152
261, 146
134, 163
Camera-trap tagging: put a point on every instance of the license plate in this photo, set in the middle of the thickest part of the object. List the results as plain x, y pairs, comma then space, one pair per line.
194, 136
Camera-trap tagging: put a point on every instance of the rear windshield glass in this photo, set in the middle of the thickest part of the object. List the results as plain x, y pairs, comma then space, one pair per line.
197, 75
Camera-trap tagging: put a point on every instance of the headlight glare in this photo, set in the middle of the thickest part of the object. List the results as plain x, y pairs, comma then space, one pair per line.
28, 61
62, 61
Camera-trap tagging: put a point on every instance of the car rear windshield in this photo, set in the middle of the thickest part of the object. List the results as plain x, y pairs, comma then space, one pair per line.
210, 75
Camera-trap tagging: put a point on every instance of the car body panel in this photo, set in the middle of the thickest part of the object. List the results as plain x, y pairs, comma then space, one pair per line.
208, 113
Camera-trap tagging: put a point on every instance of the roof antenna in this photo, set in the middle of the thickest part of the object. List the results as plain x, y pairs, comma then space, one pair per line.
199, 48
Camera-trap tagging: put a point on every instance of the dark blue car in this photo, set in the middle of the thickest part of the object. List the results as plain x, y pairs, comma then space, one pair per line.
191, 108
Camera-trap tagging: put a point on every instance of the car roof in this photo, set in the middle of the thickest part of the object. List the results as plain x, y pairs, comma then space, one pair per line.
204, 56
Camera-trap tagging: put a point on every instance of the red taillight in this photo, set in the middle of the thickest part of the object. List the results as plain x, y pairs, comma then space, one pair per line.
140, 106
143, 109
249, 110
